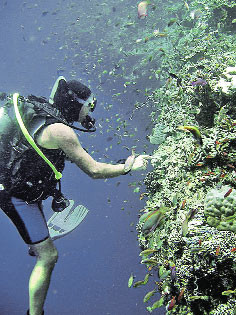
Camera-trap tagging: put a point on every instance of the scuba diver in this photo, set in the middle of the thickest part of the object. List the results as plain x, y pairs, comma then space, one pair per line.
36, 137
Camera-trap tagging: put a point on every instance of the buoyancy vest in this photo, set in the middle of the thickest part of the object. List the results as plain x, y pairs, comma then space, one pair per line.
23, 173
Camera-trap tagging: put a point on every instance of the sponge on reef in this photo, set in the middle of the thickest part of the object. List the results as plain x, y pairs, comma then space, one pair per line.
220, 208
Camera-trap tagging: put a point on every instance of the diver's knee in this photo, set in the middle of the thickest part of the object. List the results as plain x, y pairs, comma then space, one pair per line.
51, 257
46, 252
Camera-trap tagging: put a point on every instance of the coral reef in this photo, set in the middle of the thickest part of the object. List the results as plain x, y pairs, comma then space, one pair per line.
220, 208
194, 174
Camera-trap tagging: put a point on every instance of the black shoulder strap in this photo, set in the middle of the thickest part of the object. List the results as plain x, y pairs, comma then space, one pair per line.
43, 104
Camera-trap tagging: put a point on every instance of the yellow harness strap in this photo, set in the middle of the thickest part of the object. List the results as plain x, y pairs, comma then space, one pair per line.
31, 141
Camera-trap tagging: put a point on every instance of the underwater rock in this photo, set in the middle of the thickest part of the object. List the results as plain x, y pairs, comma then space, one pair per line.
227, 83
160, 132
219, 208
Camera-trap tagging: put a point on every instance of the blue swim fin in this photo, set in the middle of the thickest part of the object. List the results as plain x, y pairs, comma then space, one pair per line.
63, 223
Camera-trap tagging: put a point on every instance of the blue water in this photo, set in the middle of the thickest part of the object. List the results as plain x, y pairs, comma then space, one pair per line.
96, 260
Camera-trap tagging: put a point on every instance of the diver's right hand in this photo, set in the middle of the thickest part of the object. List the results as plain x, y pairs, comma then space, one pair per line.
140, 162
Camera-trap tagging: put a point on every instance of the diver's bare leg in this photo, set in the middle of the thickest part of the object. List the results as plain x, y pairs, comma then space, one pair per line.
46, 254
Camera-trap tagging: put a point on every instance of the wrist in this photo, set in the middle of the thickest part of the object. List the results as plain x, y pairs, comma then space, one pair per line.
126, 172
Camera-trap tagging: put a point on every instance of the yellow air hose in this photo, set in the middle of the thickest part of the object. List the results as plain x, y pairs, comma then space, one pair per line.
28, 137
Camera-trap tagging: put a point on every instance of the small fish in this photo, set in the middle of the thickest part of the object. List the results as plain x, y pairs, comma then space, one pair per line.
228, 193
171, 304
199, 164
228, 292
149, 295
181, 295
233, 250
138, 283
191, 213
222, 175
142, 195
146, 278
142, 9
152, 222
149, 261
217, 250
171, 22
199, 82
183, 204
188, 217
173, 273
186, 5
161, 34
142, 282
185, 227
157, 33
131, 280
44, 13
174, 76
109, 139
198, 297
147, 252
156, 304
194, 130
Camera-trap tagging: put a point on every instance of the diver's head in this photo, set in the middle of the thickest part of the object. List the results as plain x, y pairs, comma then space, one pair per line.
73, 99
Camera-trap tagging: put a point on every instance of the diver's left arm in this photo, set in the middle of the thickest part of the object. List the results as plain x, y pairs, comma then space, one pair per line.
60, 136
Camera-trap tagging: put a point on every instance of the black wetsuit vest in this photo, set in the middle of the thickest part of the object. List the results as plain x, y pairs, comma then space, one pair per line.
26, 175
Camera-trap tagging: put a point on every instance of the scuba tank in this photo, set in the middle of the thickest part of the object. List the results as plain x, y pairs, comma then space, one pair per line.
23, 173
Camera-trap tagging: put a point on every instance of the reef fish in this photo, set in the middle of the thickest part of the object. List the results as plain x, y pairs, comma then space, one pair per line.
171, 304
131, 280
173, 273
152, 221
142, 282
228, 292
138, 283
188, 217
194, 130
149, 261
181, 294
149, 295
199, 82
142, 9
228, 193
146, 278
147, 252
156, 304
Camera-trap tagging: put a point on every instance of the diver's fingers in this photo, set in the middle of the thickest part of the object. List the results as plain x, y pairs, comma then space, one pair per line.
147, 157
